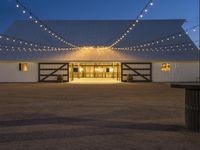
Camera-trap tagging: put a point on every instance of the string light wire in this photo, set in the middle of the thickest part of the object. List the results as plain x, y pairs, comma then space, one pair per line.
42, 25
134, 24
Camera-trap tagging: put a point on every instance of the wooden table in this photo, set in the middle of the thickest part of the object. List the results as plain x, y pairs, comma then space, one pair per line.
192, 105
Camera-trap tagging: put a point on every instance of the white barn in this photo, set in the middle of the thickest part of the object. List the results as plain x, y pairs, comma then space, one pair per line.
175, 60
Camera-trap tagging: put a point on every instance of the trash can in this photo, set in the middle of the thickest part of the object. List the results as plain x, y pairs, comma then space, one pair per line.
60, 78
192, 110
192, 105
129, 78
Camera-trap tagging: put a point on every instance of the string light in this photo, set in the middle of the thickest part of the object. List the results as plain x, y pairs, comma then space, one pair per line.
42, 25
184, 46
141, 15
32, 49
20, 41
168, 38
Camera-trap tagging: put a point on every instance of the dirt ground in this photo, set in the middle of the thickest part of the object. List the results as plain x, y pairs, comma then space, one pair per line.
142, 116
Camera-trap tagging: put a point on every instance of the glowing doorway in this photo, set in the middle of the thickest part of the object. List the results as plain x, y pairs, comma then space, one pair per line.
95, 72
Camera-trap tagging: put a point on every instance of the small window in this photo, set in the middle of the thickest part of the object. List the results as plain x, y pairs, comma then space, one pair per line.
23, 67
165, 67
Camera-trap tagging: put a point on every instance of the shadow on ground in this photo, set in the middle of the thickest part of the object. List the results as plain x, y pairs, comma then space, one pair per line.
91, 127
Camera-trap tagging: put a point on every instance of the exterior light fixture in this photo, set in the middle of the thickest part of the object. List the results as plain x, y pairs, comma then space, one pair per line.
165, 67
23, 67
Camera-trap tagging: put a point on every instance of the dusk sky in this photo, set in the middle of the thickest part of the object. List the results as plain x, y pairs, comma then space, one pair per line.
101, 10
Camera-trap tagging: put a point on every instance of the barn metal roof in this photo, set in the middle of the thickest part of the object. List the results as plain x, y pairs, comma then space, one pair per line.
99, 33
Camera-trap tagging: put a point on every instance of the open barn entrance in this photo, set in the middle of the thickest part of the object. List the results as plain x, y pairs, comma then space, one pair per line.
95, 72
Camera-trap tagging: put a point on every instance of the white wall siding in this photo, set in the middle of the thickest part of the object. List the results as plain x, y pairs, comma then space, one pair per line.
180, 72
9, 72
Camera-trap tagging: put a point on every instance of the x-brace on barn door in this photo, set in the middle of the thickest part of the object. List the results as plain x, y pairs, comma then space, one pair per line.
136, 72
49, 72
